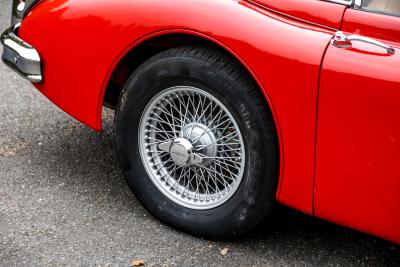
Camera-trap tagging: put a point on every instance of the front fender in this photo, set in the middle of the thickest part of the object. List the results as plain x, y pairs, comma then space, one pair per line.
81, 41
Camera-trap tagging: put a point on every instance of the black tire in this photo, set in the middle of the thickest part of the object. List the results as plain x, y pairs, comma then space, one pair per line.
224, 78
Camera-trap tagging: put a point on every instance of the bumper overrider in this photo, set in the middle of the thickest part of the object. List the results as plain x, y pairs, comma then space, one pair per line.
21, 56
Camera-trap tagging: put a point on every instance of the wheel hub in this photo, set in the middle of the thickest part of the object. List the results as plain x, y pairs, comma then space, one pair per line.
203, 139
181, 150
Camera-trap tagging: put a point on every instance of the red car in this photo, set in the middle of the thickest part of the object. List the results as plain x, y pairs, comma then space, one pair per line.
225, 107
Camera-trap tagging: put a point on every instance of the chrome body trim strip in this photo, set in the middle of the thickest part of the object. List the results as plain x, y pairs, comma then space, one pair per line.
21, 56
358, 3
342, 2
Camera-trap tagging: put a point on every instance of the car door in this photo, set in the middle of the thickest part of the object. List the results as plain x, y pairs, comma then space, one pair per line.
357, 180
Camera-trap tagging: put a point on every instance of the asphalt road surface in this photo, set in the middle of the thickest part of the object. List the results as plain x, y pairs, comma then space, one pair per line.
64, 202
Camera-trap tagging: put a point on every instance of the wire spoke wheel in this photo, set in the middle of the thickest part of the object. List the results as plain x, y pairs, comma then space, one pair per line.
191, 147
197, 142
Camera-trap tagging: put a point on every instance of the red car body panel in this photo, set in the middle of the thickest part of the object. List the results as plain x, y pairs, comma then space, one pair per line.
96, 36
379, 26
358, 138
282, 44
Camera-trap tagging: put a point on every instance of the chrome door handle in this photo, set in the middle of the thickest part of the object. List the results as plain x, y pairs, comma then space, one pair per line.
342, 40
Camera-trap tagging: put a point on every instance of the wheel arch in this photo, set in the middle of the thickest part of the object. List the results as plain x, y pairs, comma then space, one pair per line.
162, 40
146, 47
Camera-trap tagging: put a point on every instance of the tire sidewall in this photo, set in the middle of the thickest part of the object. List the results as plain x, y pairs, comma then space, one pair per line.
242, 210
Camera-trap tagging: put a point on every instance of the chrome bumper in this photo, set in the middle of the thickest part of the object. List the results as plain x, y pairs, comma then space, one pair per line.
21, 56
